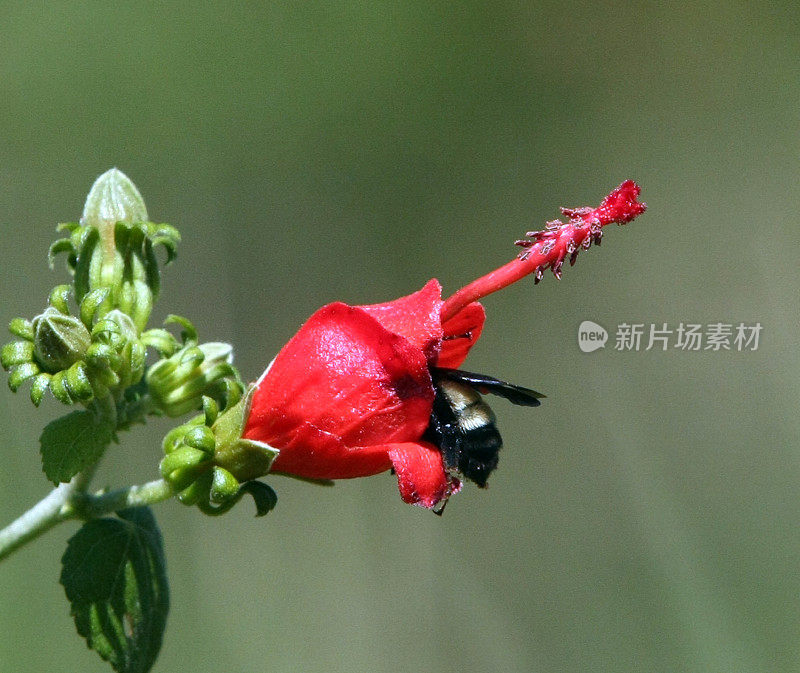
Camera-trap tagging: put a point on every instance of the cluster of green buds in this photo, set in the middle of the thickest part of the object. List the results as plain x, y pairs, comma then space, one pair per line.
210, 465
91, 346
190, 371
77, 357
99, 351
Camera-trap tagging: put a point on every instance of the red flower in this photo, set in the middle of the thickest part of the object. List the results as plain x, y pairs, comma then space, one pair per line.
352, 393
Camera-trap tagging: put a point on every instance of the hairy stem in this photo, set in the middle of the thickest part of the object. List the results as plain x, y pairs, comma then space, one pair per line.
40, 518
69, 501
92, 506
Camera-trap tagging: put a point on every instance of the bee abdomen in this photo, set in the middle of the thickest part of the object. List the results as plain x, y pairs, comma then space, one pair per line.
463, 426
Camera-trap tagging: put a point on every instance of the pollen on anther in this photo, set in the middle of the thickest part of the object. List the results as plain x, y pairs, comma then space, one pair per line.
573, 257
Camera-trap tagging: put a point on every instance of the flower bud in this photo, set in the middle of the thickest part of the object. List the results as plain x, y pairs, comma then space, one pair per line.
113, 198
177, 384
116, 357
181, 467
224, 486
115, 329
202, 438
111, 251
59, 340
16, 353
72, 384
21, 328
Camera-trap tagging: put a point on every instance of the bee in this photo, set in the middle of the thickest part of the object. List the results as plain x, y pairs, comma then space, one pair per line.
462, 425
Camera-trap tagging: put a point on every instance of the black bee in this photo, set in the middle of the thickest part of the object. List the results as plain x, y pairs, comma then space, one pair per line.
463, 426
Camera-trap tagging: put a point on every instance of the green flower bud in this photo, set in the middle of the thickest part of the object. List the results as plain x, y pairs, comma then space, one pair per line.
16, 353
116, 357
177, 384
113, 198
136, 299
181, 467
59, 340
174, 438
224, 486
95, 305
39, 387
72, 384
161, 341
21, 328
201, 438
56, 354
59, 296
111, 252
22, 373
115, 329
197, 491
104, 358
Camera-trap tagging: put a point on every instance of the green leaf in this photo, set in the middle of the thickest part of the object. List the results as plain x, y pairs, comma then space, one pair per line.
72, 443
114, 575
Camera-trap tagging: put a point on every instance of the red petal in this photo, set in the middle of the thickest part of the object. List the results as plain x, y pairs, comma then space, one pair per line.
421, 476
344, 375
460, 333
314, 454
415, 317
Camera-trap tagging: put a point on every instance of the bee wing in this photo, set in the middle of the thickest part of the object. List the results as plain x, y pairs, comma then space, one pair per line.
487, 384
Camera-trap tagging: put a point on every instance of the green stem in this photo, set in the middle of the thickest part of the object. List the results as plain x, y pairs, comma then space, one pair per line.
92, 506
40, 518
69, 501
106, 408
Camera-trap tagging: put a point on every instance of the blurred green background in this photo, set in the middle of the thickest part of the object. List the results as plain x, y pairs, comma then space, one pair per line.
644, 518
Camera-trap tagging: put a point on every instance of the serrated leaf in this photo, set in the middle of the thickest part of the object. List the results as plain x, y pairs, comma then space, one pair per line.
72, 443
114, 575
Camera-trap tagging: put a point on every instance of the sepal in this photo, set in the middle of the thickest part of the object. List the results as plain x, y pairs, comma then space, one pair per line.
209, 463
